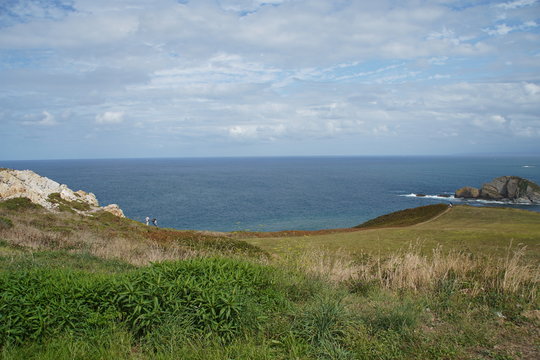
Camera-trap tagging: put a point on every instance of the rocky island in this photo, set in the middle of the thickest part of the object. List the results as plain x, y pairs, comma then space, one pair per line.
48, 193
513, 189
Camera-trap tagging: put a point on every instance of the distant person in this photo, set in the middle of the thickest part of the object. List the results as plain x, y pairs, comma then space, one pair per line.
154, 222
147, 220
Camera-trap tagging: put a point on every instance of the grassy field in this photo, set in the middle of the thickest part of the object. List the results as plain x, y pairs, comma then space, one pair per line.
429, 283
479, 230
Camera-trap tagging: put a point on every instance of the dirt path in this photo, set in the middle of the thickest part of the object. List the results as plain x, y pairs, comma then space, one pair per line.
435, 217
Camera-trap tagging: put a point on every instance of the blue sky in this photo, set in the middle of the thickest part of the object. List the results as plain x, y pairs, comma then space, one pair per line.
165, 78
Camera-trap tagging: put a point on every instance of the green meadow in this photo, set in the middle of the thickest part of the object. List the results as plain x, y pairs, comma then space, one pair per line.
479, 230
427, 283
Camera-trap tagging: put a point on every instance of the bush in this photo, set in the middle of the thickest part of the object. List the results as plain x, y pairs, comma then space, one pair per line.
19, 203
66, 205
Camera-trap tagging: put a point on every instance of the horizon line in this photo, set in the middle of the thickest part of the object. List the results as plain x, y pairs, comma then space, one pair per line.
287, 156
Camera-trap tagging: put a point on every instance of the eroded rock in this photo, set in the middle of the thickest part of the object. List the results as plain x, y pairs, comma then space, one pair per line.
505, 188
467, 192
48, 193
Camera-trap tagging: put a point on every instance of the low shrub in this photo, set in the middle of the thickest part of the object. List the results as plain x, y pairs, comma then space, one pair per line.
223, 297
19, 204
67, 205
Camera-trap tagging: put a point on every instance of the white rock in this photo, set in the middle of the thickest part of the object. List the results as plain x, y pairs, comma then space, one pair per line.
26, 183
114, 209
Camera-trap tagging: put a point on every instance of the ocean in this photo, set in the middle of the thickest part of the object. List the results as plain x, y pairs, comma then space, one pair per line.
277, 193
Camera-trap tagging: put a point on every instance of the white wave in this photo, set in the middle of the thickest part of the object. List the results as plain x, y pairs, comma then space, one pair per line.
449, 197
528, 166
454, 199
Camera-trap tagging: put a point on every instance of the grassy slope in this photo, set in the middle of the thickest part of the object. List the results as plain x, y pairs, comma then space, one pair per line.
28, 231
476, 229
409, 307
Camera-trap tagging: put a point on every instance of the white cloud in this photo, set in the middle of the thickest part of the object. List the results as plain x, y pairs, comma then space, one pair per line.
532, 89
47, 119
261, 132
268, 71
110, 117
516, 4
503, 29
247, 5
498, 119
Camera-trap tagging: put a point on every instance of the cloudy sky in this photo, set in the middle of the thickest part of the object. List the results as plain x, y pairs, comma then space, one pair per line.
175, 78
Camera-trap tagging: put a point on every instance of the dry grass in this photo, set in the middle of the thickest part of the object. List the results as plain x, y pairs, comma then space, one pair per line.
136, 252
137, 245
412, 270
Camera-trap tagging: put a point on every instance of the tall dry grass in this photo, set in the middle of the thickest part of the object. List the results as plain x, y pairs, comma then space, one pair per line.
136, 251
416, 271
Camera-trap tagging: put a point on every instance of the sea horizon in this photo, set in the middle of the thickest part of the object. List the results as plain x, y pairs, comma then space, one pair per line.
457, 155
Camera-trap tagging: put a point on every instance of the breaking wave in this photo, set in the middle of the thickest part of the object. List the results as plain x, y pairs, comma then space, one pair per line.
453, 199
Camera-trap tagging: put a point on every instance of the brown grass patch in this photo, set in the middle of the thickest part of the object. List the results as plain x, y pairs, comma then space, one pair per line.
415, 271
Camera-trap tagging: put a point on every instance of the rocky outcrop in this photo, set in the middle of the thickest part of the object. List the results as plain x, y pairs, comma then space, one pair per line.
114, 209
505, 188
48, 193
467, 192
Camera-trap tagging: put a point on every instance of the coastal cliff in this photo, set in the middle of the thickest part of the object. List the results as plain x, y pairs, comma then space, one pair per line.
48, 193
505, 188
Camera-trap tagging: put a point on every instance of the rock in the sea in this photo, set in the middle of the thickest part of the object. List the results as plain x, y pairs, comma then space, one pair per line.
505, 188
46, 192
467, 192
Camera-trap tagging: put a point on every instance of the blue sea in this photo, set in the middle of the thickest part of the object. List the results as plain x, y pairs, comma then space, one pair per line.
271, 194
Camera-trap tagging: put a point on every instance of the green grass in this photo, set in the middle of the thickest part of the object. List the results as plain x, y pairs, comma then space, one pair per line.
67, 205
224, 308
18, 204
5, 223
480, 230
214, 296
232, 301
17, 259
405, 217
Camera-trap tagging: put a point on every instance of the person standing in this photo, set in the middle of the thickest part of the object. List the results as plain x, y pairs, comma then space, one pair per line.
154, 222
147, 220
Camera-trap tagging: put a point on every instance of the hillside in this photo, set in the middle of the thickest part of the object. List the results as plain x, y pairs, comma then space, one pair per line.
435, 283
483, 230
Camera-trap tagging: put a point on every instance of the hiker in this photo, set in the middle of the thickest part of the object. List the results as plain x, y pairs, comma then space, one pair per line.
154, 222
147, 220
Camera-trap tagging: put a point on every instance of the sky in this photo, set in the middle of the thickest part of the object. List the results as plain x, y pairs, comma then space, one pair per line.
196, 78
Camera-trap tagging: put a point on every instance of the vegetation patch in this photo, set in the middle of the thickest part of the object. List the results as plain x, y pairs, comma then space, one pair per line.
456, 299
22, 260
202, 242
406, 217
19, 204
5, 223
218, 296
66, 205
